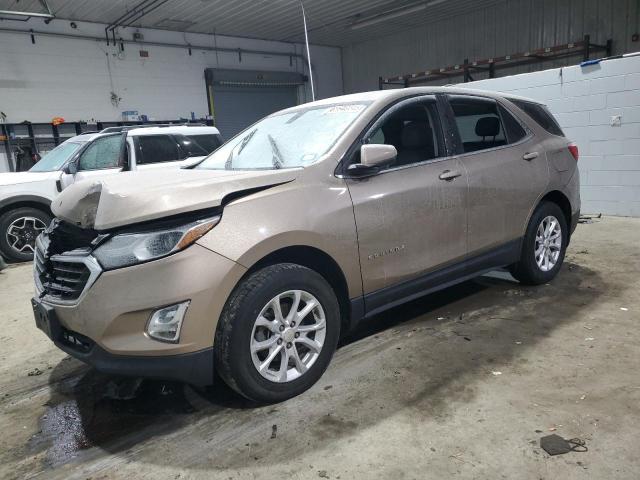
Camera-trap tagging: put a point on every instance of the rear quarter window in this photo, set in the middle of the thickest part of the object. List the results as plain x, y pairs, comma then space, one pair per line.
208, 142
541, 115
157, 149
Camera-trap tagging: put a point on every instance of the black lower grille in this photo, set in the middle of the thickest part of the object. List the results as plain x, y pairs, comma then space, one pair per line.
75, 341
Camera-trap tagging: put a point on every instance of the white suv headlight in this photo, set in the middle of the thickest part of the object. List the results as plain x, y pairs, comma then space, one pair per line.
127, 249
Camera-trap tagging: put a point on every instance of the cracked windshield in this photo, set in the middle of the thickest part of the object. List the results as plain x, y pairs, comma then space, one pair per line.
295, 139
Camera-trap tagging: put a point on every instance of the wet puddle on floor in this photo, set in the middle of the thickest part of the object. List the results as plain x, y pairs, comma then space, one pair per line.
97, 410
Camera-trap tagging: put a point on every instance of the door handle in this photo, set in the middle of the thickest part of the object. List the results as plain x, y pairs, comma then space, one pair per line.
449, 175
530, 156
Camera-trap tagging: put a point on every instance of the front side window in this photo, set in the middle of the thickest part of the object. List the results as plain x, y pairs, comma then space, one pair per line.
56, 158
286, 140
413, 129
479, 124
157, 149
104, 152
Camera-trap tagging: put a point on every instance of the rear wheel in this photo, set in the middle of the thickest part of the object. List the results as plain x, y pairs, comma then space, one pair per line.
18, 231
277, 333
544, 246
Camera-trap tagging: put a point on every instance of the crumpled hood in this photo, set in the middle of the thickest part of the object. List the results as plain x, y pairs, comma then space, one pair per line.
133, 197
14, 178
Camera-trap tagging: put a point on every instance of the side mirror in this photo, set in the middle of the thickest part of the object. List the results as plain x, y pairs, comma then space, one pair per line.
71, 168
372, 158
376, 155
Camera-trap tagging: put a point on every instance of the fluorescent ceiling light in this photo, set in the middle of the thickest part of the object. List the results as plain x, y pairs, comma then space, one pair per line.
400, 12
26, 14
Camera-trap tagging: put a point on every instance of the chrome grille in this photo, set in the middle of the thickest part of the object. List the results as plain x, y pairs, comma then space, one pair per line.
62, 276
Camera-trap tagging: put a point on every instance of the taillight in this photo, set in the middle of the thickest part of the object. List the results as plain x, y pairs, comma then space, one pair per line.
573, 148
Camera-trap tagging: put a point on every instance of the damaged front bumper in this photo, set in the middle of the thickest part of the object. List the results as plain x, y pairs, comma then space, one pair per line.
106, 325
195, 368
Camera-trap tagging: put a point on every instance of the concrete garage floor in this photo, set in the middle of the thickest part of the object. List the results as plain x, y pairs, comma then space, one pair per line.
417, 395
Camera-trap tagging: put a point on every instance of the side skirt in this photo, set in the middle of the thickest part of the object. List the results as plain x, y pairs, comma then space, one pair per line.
375, 302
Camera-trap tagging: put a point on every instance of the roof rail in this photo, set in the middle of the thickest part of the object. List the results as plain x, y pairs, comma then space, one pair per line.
186, 124
126, 128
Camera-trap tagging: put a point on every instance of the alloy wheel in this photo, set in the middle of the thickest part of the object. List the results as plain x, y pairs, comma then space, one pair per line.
22, 232
548, 243
288, 336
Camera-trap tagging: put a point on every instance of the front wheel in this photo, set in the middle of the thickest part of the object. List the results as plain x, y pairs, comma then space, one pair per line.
18, 231
277, 333
543, 247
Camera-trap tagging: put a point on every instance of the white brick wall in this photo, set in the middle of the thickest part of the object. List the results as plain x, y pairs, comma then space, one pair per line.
584, 100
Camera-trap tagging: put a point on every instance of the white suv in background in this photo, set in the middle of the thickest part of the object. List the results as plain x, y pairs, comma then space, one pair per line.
25, 197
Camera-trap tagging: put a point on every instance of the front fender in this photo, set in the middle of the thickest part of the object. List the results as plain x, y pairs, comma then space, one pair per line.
316, 214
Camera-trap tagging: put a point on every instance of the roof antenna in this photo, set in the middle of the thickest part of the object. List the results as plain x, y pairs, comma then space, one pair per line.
306, 39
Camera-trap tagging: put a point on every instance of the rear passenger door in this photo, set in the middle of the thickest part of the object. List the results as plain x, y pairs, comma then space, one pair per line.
506, 173
157, 151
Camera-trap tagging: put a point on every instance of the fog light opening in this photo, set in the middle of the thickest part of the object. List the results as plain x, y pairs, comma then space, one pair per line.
165, 323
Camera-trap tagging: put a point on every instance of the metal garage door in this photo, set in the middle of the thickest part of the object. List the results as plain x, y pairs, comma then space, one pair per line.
238, 107
238, 98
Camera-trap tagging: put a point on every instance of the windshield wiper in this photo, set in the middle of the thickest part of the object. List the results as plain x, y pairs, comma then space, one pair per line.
245, 141
276, 159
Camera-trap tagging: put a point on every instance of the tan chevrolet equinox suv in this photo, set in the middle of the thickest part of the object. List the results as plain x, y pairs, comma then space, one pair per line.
253, 263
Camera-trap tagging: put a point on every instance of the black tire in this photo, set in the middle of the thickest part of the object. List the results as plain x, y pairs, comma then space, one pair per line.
527, 271
233, 335
6, 219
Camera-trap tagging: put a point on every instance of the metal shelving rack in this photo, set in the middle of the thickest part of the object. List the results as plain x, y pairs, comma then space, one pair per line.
466, 68
42, 137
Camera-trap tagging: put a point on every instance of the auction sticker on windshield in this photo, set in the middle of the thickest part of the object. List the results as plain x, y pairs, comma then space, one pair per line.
358, 107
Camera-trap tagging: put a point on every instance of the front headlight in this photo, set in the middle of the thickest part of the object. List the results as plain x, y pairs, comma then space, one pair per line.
127, 249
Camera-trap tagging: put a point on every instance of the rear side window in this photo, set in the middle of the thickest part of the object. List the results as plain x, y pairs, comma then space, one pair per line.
479, 124
157, 149
512, 127
207, 142
541, 115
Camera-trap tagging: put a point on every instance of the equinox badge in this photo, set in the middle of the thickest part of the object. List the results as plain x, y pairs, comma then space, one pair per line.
388, 251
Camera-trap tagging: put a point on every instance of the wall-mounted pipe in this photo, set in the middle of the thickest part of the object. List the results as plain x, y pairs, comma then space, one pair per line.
235, 51
187, 47
136, 13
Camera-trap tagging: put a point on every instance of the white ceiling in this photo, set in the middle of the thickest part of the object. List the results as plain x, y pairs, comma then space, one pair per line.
329, 21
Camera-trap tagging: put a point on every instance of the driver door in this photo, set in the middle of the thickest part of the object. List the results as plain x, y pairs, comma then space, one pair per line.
411, 216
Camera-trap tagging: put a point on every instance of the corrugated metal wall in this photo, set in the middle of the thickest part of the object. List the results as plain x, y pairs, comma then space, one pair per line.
509, 26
